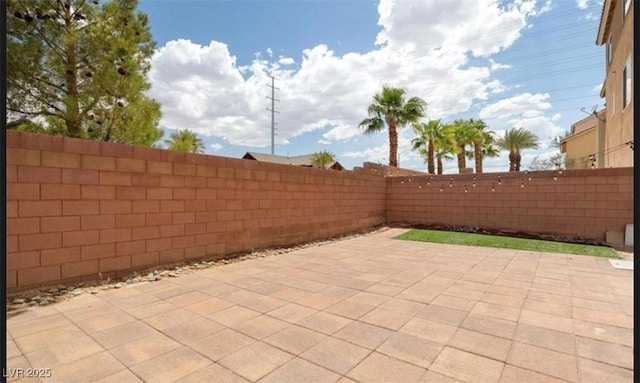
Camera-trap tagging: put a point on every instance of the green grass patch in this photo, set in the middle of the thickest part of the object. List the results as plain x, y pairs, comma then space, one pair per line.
471, 239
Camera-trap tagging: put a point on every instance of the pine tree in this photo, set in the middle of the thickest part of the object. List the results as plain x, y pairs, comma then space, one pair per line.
81, 65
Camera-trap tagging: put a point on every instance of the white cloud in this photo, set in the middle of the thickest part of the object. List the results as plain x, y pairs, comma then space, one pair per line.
286, 60
539, 125
324, 142
421, 43
407, 158
496, 86
497, 66
376, 154
342, 132
582, 4
215, 146
516, 105
526, 111
447, 24
589, 16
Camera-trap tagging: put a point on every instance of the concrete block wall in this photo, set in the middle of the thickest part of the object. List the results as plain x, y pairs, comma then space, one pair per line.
76, 208
578, 203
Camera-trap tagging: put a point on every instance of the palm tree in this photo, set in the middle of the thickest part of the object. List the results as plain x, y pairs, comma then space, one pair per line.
481, 140
444, 146
427, 134
323, 159
514, 140
482, 145
391, 109
464, 133
185, 140
487, 151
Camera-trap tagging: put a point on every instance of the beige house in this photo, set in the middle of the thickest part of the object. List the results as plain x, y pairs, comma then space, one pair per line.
616, 34
584, 142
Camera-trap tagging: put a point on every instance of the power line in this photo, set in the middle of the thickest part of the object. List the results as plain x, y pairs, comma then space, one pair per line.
577, 26
502, 31
273, 111
453, 84
592, 157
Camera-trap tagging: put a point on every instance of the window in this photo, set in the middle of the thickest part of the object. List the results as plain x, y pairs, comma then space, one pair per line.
626, 84
625, 8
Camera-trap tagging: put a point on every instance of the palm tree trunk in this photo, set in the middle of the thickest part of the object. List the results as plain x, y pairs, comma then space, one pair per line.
512, 161
430, 158
393, 144
518, 159
439, 165
462, 163
477, 152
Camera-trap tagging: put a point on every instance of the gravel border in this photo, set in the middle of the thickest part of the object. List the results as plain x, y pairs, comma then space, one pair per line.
45, 296
48, 295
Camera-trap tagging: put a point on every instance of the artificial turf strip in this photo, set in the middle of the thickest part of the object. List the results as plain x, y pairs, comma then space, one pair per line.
470, 239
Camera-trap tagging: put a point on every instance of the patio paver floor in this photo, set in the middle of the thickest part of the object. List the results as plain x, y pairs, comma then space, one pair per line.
367, 309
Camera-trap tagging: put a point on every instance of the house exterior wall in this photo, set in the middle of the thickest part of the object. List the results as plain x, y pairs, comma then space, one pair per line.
586, 140
619, 118
578, 147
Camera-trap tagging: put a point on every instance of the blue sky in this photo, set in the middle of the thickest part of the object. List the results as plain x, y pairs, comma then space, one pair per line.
529, 63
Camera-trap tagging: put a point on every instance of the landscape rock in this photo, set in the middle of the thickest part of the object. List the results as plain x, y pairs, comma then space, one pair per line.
46, 295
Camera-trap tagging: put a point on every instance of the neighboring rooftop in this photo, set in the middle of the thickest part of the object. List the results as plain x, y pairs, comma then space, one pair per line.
303, 160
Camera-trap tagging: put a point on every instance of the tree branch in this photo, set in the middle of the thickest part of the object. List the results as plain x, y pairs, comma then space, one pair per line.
38, 113
49, 83
38, 98
52, 46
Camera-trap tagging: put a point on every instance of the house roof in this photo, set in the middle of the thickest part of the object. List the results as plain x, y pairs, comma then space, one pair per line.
607, 9
595, 116
303, 160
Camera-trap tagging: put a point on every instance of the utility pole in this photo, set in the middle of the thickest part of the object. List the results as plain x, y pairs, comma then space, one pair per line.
273, 111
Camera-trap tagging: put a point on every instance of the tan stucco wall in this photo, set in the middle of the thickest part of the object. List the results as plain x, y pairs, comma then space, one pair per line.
578, 147
619, 125
586, 139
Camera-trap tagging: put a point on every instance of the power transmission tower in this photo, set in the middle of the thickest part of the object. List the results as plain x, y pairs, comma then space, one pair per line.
273, 111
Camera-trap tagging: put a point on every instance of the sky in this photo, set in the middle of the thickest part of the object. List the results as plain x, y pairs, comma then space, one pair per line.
520, 63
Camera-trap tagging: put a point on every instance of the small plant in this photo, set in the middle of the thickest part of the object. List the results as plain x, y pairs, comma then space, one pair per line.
323, 159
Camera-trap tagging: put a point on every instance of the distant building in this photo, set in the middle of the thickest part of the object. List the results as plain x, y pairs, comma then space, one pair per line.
304, 160
616, 34
584, 142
